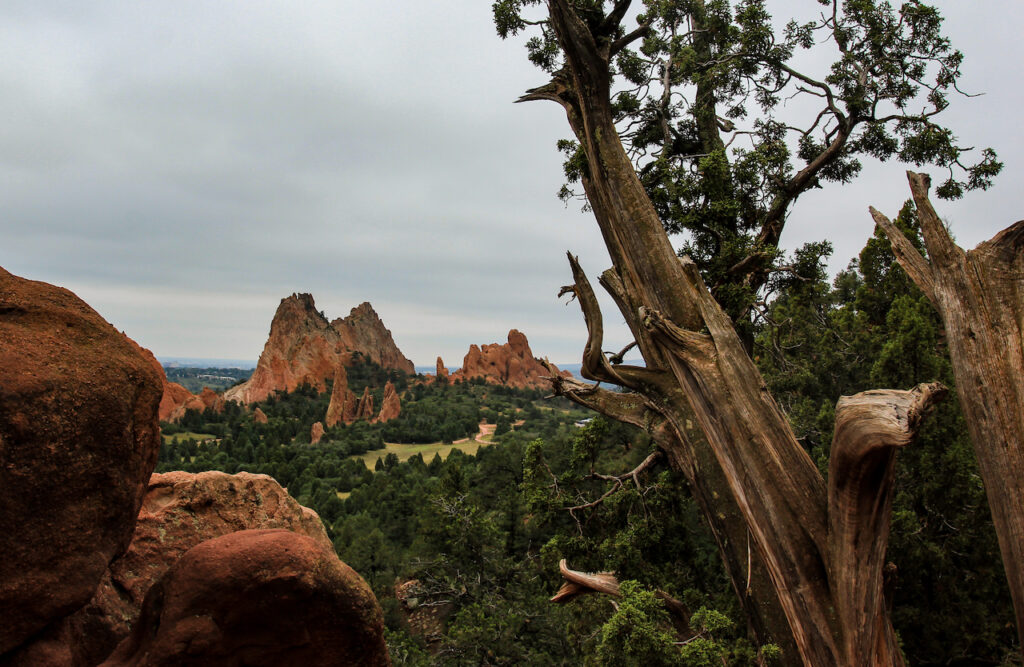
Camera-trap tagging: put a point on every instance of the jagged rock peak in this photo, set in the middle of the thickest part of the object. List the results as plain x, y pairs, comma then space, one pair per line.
305, 348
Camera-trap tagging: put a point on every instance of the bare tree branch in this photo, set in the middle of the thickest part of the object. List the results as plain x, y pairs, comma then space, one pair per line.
907, 255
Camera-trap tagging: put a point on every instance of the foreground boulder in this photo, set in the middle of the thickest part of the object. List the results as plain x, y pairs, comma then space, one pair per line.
180, 511
257, 597
79, 438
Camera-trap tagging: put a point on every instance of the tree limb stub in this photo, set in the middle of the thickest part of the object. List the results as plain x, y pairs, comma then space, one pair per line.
581, 583
916, 266
941, 247
870, 427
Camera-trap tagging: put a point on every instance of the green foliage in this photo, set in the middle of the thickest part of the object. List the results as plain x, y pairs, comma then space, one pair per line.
636, 633
697, 101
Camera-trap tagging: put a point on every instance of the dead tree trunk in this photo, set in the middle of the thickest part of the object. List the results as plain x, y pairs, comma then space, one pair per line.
980, 296
813, 583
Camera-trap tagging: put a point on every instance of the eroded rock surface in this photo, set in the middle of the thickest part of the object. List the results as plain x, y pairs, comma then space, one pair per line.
179, 511
339, 395
304, 348
390, 404
257, 597
79, 438
511, 364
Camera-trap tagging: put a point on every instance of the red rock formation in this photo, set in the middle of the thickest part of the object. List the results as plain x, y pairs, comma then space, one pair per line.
177, 399
316, 433
304, 347
351, 411
179, 511
390, 405
363, 331
259, 416
442, 370
174, 397
365, 409
511, 364
339, 393
257, 597
211, 400
79, 437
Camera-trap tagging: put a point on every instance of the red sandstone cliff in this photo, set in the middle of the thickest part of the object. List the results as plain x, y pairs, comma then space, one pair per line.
304, 347
511, 364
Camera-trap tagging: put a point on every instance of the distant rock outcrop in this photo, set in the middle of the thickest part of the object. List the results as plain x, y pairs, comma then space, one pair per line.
257, 597
442, 370
259, 416
365, 409
174, 398
177, 399
179, 511
511, 364
316, 433
339, 395
304, 347
79, 438
390, 404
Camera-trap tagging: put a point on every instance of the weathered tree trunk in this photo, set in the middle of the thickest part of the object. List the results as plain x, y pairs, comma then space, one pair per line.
980, 296
764, 499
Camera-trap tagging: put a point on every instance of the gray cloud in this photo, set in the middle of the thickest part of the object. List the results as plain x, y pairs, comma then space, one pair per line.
182, 166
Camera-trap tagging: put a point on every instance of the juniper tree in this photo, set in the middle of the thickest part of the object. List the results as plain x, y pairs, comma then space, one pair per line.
805, 557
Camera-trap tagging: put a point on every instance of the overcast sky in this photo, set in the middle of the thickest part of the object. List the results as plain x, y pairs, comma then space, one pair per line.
184, 165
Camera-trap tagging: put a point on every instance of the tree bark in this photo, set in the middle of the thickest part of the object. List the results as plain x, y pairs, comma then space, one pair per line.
980, 297
764, 499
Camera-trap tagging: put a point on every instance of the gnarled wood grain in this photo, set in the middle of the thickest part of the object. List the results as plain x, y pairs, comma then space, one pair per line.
979, 295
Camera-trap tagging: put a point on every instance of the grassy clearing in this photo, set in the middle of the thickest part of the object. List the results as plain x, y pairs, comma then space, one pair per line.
406, 452
185, 435
342, 495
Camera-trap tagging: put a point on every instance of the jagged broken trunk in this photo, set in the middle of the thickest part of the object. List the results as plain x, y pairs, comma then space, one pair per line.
980, 296
805, 560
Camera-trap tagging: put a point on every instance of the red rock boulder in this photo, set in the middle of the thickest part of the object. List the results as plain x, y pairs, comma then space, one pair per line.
257, 597
179, 511
79, 438
316, 433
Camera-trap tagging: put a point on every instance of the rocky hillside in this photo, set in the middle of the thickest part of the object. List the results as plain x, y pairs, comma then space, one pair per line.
304, 347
